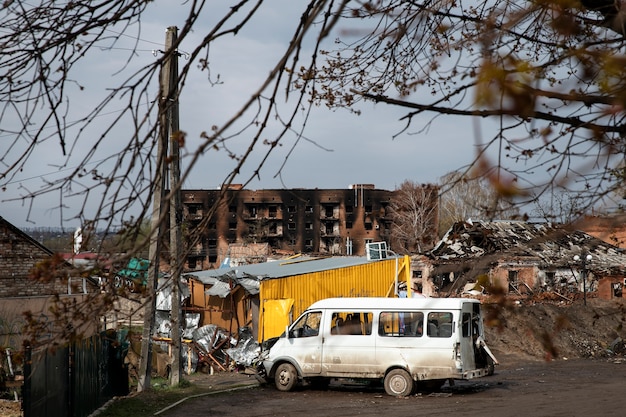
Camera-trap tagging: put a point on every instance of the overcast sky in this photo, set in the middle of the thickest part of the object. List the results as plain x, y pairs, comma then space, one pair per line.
343, 149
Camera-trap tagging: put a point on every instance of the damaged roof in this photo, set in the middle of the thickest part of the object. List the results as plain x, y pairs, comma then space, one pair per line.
249, 276
548, 244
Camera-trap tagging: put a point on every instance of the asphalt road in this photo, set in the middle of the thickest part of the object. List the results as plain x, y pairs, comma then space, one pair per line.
559, 388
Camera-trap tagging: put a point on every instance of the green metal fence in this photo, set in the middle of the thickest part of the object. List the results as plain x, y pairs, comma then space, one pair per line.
74, 381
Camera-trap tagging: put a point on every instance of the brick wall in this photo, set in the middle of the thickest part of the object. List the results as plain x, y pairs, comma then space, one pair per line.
18, 255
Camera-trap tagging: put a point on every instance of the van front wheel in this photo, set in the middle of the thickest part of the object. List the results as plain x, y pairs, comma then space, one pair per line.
286, 377
398, 383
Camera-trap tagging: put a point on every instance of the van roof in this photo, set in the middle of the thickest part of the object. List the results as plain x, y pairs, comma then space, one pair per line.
354, 303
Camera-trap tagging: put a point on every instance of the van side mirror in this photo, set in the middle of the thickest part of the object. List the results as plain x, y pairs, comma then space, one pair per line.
296, 333
287, 335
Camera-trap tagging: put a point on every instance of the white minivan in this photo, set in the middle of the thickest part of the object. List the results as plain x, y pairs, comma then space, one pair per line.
405, 343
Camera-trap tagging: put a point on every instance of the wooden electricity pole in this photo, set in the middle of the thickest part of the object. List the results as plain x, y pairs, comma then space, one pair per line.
176, 215
159, 207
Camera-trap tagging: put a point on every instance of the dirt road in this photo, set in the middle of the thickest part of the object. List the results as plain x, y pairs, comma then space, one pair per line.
580, 387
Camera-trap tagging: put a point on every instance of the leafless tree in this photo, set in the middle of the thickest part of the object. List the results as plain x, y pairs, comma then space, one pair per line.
543, 83
414, 213
464, 197
548, 74
561, 207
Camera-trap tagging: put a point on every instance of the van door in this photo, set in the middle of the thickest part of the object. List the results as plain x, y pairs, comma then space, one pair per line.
469, 332
349, 349
304, 343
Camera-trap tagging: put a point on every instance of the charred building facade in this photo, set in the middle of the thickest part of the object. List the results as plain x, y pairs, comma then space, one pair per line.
316, 221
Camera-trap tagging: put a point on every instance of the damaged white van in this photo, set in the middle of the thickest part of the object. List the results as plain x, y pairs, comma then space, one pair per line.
405, 343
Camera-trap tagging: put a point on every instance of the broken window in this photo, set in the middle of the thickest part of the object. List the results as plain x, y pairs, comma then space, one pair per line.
252, 210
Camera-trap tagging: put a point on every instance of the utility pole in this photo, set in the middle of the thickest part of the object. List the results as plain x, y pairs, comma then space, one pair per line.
176, 315
158, 215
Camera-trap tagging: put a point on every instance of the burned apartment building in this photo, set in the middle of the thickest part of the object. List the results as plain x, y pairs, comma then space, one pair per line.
316, 221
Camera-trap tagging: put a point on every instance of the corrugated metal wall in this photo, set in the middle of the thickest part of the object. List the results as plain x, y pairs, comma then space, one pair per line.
375, 279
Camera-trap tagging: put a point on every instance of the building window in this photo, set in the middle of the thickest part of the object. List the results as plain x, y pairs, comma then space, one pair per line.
195, 209
308, 242
292, 243
513, 277
252, 210
349, 209
308, 226
308, 209
212, 259
272, 211
368, 226
291, 209
348, 224
212, 243
291, 226
191, 263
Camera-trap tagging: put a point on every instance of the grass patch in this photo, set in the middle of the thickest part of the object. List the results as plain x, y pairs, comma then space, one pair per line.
147, 403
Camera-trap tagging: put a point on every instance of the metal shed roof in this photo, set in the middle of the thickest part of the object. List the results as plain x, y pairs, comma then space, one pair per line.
250, 276
278, 269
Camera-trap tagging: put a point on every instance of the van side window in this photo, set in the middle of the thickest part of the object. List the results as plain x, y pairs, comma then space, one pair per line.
401, 323
467, 324
439, 324
351, 322
307, 326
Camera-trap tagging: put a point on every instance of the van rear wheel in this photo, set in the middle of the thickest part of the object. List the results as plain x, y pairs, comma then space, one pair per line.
398, 383
286, 377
